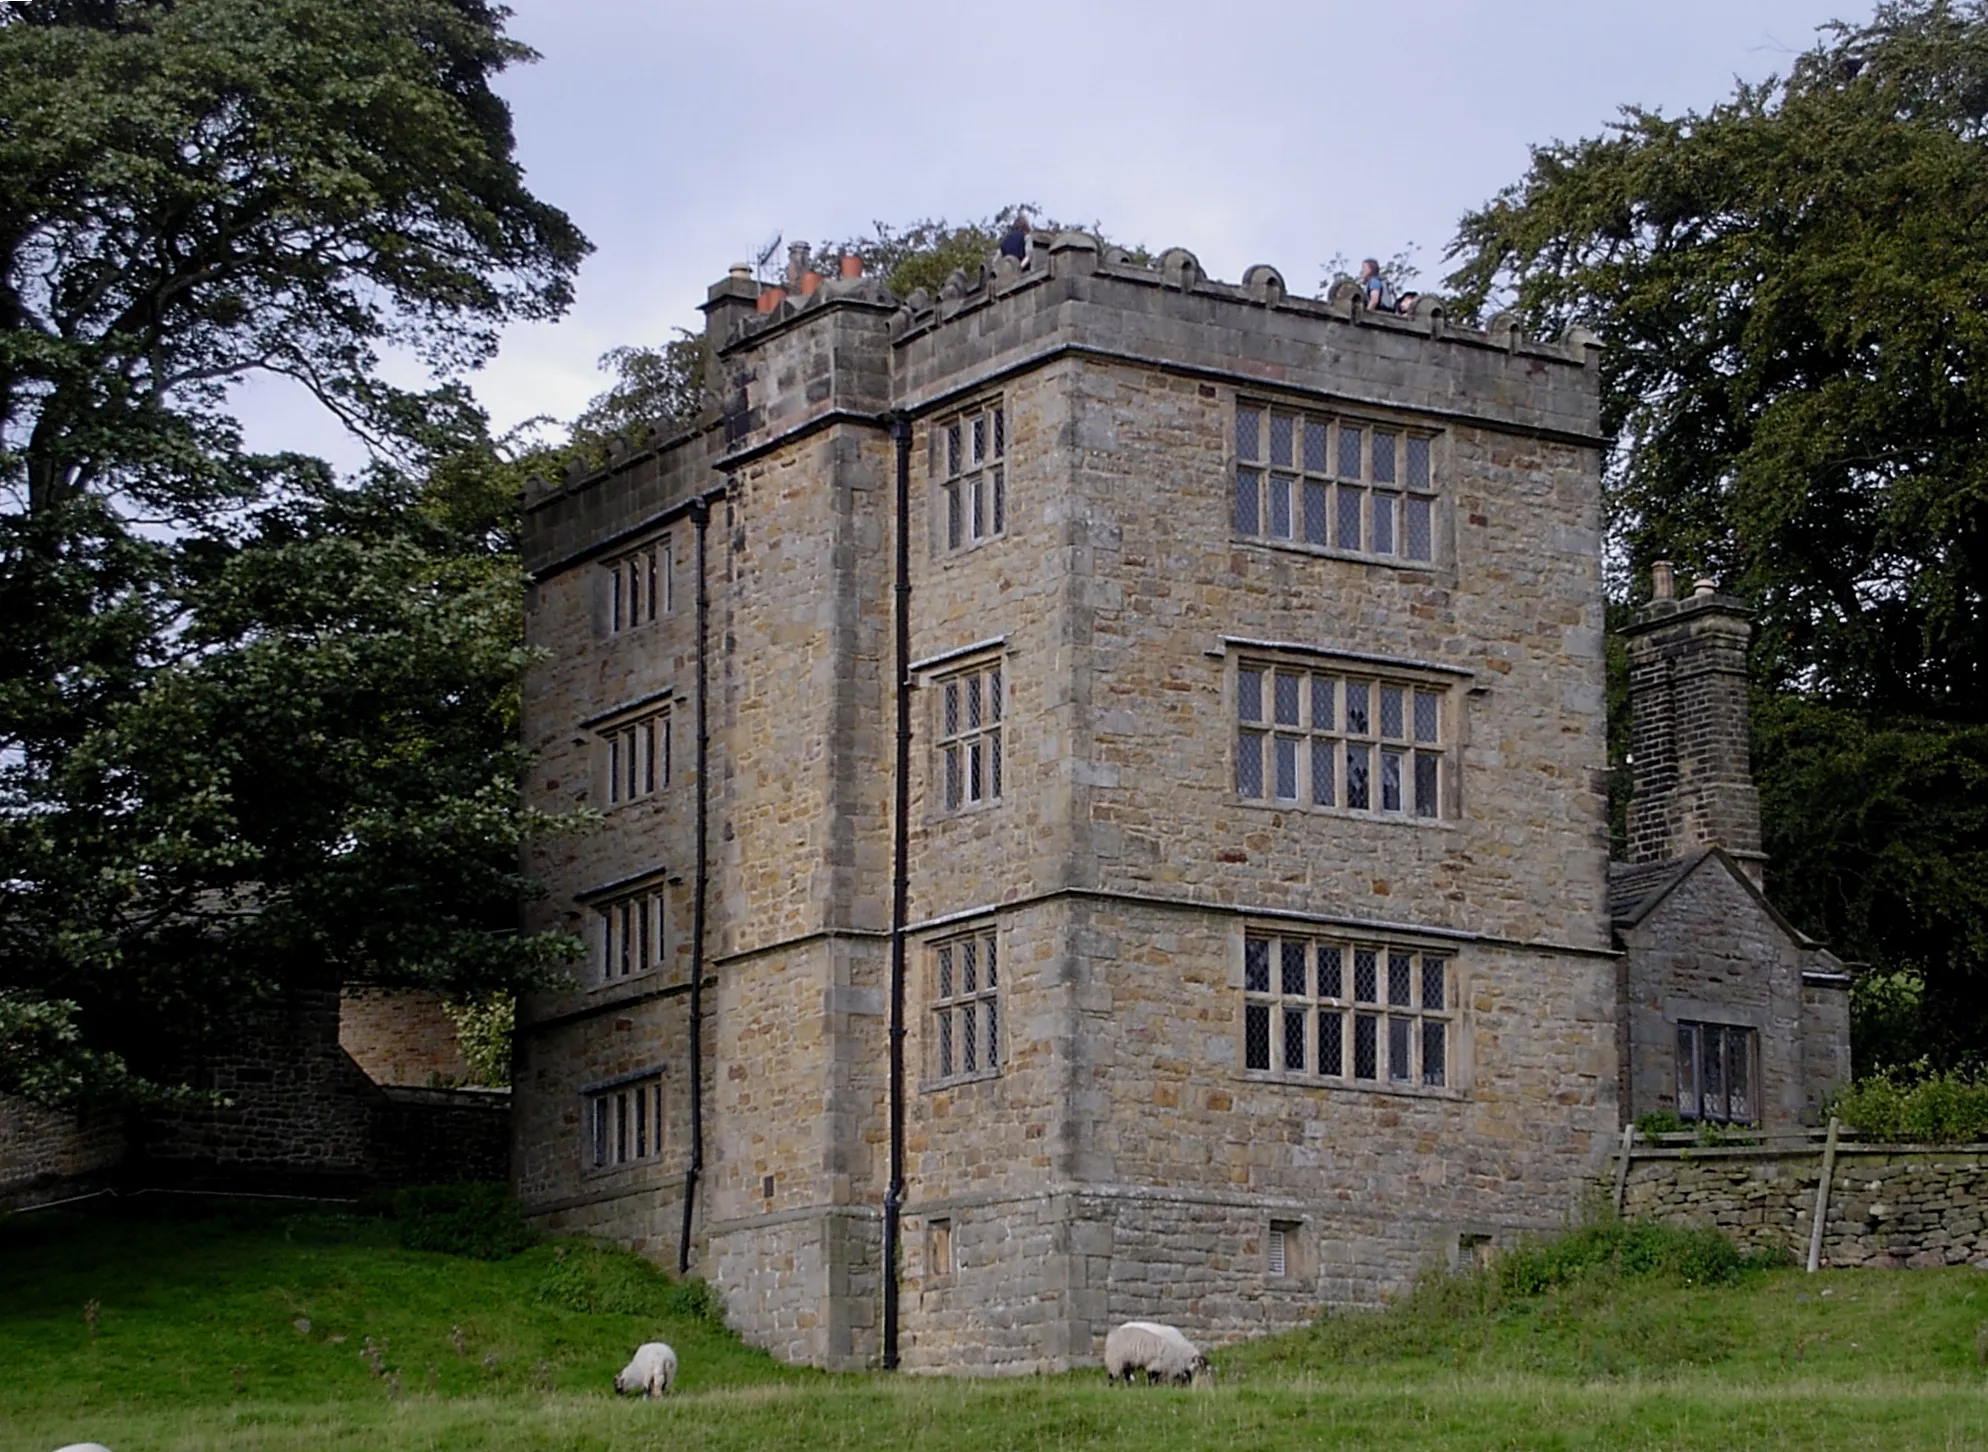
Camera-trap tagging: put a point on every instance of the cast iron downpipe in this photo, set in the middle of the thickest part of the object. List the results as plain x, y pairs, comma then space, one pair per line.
900, 888
700, 514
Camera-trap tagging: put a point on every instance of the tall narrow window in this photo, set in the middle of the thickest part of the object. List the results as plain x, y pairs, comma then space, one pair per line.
635, 756
971, 707
639, 586
972, 464
966, 1005
631, 934
1325, 739
1716, 1073
625, 1121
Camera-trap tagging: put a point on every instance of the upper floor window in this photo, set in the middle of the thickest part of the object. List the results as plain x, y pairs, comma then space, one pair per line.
639, 588
631, 934
1715, 1073
969, 736
1368, 1013
966, 1006
973, 453
1333, 483
1308, 737
625, 1122
636, 758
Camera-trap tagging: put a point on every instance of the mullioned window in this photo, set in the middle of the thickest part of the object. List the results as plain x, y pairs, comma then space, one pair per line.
1318, 481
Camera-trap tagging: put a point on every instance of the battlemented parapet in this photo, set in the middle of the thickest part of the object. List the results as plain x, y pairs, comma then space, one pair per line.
1244, 901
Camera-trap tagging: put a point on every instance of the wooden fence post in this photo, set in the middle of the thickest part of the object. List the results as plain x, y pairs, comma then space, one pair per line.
1622, 1167
1822, 1197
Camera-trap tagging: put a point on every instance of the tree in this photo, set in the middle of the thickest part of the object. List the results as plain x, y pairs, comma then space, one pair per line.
253, 726
1792, 288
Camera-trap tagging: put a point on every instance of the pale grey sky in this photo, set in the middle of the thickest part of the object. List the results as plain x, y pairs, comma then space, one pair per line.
680, 134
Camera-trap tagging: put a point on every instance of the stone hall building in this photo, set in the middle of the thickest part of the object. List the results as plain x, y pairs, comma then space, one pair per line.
1103, 779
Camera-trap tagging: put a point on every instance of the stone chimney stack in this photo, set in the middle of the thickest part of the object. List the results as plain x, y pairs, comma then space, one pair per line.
731, 298
1689, 736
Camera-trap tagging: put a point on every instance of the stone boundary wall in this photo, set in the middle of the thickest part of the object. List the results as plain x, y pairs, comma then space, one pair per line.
46, 1153
1889, 1205
401, 1036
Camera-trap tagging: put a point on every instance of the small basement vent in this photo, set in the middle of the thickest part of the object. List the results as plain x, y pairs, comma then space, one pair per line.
1274, 1248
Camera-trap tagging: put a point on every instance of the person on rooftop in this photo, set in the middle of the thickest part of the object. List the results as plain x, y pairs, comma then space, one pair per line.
1015, 241
1375, 290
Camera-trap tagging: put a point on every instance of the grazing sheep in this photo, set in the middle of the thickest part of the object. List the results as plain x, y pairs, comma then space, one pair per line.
651, 1371
1158, 1350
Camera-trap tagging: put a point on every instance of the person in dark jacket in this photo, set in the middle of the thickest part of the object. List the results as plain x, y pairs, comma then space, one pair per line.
1015, 241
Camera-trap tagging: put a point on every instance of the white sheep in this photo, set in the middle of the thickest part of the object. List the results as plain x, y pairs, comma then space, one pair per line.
1158, 1350
651, 1372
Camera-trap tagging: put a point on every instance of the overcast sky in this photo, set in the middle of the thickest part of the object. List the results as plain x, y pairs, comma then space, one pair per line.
683, 134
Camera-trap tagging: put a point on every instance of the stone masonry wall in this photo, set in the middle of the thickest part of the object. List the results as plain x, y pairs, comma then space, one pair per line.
400, 1035
47, 1153
1890, 1206
296, 1104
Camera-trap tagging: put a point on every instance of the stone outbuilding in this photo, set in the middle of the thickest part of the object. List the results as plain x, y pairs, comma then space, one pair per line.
1729, 1014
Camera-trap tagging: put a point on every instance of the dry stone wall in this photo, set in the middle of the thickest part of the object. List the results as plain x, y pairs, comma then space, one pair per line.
1889, 1205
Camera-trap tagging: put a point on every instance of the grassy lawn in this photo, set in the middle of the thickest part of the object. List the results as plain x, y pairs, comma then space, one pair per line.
319, 1331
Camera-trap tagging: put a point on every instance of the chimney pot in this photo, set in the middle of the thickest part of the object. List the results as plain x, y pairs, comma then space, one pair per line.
852, 265
1663, 581
742, 271
1704, 588
797, 262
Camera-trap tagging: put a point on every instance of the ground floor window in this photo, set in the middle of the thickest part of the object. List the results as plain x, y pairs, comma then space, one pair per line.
625, 1122
1716, 1073
1323, 1008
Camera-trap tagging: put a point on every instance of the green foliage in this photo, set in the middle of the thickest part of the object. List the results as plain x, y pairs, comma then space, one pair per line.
1624, 1249
477, 1220
255, 729
652, 386
926, 252
596, 1281
484, 1028
1900, 1108
188, 1293
469, 1355
1660, 1121
193, 192
1878, 830
1793, 291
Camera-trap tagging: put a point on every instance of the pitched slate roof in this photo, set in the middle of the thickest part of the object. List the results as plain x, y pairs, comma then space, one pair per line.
1631, 884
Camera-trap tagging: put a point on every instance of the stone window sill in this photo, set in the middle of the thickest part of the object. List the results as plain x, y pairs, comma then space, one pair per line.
1351, 1086
933, 1086
621, 1171
969, 809
645, 978
1348, 814
948, 553
1326, 552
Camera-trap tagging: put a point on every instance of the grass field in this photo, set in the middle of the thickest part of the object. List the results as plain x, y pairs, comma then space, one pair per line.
319, 1331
